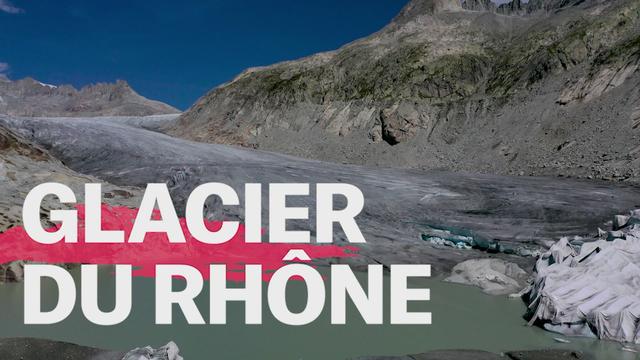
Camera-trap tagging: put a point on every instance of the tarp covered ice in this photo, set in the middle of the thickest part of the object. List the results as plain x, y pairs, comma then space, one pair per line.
591, 288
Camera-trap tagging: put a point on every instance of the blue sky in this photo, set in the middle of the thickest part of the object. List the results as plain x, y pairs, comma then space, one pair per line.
173, 51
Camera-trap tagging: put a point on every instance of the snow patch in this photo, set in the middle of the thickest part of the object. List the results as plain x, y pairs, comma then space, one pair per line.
47, 85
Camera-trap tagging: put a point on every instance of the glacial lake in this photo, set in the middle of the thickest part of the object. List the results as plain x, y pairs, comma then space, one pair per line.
463, 318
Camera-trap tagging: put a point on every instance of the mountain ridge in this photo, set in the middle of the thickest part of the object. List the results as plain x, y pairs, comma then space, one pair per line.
30, 97
531, 92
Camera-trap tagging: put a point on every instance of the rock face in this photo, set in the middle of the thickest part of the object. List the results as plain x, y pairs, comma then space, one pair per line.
493, 276
29, 97
591, 288
12, 272
479, 5
529, 88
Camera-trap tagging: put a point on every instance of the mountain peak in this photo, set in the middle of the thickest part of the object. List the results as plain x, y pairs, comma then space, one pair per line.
30, 97
508, 86
418, 8
519, 7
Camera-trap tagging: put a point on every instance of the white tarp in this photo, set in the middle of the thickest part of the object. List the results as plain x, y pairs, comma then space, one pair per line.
593, 287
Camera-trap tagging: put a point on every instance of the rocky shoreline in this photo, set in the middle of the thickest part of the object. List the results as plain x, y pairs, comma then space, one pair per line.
485, 355
33, 349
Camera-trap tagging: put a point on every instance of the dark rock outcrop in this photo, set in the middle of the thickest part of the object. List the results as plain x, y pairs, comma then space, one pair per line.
484, 355
37, 349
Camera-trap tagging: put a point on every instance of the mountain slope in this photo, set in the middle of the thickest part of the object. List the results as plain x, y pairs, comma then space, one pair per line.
29, 97
548, 87
24, 165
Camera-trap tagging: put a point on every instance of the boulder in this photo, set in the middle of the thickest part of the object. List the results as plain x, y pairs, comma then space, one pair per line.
493, 276
167, 352
399, 123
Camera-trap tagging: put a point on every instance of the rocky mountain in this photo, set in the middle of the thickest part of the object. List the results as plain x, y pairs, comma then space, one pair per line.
29, 97
24, 165
546, 87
